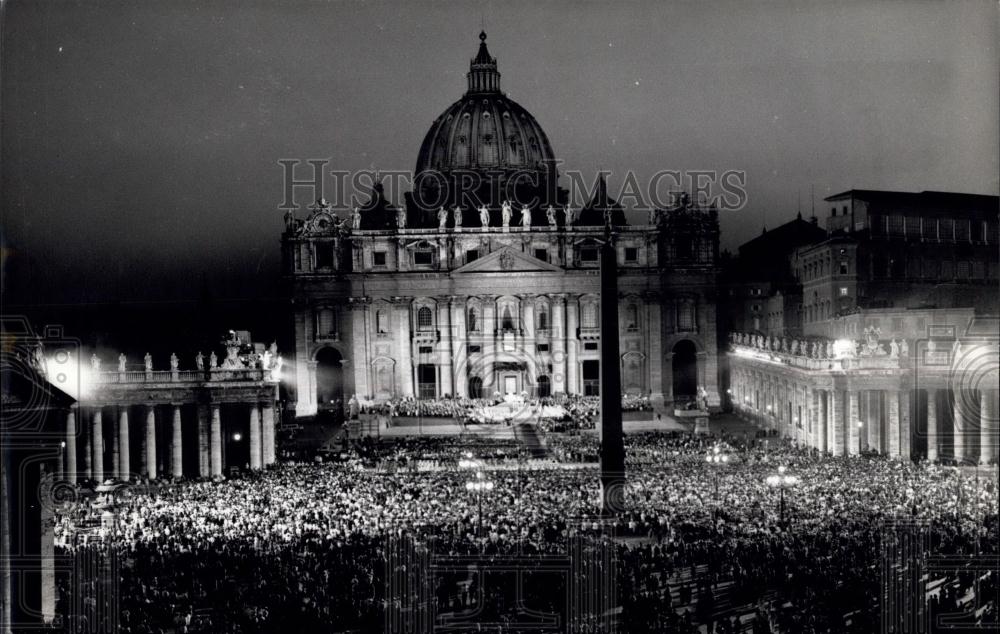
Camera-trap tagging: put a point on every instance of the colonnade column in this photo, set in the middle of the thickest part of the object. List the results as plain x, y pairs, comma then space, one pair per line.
70, 472
255, 444
573, 346
932, 432
654, 351
988, 422
893, 428
124, 456
216, 439
903, 433
445, 353
489, 328
836, 427
88, 451
97, 444
115, 455
558, 343
459, 348
176, 444
813, 434
874, 423
267, 423
151, 442
204, 456
960, 423
853, 432
361, 313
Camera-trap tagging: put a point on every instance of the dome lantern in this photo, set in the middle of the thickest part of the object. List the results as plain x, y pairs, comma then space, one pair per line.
483, 75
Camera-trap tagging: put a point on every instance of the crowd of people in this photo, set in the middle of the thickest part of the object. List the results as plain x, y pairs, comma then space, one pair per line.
699, 543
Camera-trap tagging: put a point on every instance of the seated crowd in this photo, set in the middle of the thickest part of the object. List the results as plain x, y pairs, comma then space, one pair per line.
312, 547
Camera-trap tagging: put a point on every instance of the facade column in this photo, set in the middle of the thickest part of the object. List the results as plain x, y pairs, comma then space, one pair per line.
70, 473
489, 329
892, 446
837, 422
445, 354
875, 426
255, 440
305, 373
573, 346
204, 455
459, 347
932, 431
176, 444
124, 454
361, 316
97, 443
822, 414
216, 439
853, 432
654, 349
557, 339
151, 442
404, 347
988, 401
267, 424
528, 342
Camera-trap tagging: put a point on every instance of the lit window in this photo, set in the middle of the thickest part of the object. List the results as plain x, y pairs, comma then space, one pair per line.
843, 291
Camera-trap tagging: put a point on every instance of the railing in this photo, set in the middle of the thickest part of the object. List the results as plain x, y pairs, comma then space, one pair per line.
182, 376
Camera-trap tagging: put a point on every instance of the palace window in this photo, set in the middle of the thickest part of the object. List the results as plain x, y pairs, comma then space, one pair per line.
324, 255
542, 347
473, 321
588, 254
381, 322
631, 254
590, 318
542, 254
685, 316
425, 318
843, 291
471, 255
423, 258
326, 323
843, 267
543, 318
378, 258
632, 318
507, 322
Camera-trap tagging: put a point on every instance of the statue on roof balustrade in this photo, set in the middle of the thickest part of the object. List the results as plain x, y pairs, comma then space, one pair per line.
457, 215
505, 211
484, 216
442, 219
550, 214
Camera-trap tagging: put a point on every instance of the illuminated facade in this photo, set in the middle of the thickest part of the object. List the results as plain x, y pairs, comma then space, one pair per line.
474, 300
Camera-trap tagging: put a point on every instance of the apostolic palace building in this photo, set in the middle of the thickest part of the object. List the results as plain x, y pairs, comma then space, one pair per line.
463, 293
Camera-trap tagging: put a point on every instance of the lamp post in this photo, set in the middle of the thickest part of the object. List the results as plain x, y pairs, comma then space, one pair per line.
479, 485
718, 458
782, 482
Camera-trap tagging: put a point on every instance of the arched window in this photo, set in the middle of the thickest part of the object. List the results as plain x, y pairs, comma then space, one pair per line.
473, 321
590, 316
381, 324
685, 316
508, 320
425, 319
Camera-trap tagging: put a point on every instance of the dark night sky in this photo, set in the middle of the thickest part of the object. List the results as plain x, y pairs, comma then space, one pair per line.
140, 141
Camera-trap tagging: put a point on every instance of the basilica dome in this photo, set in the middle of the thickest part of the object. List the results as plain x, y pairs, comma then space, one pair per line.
485, 129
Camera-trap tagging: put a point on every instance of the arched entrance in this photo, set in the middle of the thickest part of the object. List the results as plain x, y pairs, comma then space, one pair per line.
329, 380
685, 371
475, 387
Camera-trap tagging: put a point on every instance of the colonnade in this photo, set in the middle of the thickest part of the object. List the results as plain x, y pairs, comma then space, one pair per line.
108, 442
939, 423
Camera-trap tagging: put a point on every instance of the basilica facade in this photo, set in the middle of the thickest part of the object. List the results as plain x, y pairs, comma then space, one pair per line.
478, 294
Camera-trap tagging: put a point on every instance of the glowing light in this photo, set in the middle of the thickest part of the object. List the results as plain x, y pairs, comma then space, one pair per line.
68, 374
237, 437
843, 348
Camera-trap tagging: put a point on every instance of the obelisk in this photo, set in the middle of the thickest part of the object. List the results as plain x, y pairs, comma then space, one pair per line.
612, 449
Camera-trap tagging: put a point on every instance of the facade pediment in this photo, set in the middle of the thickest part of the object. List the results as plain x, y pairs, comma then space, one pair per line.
508, 260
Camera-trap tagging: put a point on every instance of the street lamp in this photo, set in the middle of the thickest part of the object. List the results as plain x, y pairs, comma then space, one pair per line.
782, 482
716, 457
479, 485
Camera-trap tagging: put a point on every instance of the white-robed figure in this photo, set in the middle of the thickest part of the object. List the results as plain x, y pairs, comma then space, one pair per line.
569, 214
505, 212
457, 215
356, 218
442, 218
484, 216
401, 219
525, 217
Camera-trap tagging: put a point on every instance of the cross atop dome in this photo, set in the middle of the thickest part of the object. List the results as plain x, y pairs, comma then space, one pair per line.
483, 75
